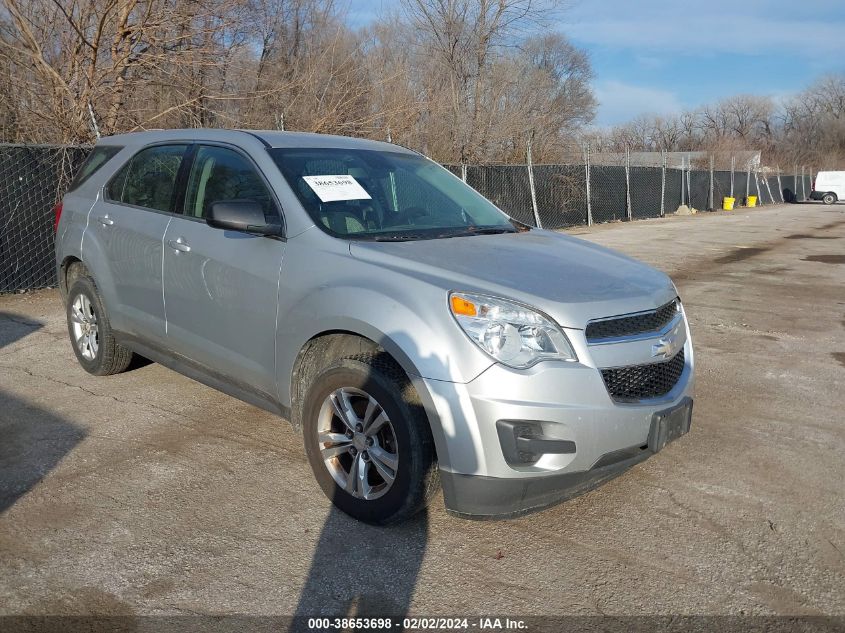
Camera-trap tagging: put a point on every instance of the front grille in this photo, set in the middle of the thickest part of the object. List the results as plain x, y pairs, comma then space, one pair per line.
642, 382
632, 324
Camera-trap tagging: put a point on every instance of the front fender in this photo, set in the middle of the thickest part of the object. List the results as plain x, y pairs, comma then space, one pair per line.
423, 348
424, 344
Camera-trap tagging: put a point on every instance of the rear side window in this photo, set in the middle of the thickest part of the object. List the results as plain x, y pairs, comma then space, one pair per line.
149, 179
98, 157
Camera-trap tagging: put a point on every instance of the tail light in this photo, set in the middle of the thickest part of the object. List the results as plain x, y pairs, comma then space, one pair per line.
58, 211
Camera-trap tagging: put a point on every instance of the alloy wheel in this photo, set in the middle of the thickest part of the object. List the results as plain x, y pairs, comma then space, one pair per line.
357, 443
86, 335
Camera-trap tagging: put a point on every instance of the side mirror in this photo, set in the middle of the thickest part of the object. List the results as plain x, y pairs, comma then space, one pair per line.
241, 215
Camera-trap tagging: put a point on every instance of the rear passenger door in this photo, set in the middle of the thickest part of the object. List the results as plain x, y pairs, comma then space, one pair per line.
221, 286
124, 239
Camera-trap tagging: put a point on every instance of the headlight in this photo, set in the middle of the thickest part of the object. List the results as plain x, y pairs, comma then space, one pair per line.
513, 334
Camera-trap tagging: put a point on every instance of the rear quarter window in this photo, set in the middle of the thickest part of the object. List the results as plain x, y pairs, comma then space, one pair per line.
148, 180
98, 157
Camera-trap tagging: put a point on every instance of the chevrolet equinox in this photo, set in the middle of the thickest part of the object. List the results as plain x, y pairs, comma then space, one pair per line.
417, 336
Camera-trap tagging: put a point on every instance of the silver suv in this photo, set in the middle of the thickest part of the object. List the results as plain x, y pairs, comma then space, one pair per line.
416, 335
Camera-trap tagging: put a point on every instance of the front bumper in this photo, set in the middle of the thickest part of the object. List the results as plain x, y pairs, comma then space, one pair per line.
567, 402
480, 497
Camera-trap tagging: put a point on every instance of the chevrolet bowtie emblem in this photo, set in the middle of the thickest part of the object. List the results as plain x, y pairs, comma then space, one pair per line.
664, 348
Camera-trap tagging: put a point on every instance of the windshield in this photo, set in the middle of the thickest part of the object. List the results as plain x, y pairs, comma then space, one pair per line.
376, 195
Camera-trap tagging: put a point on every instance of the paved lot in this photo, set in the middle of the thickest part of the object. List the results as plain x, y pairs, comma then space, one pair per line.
149, 493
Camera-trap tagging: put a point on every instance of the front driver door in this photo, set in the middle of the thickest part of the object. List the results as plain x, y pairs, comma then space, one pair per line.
221, 287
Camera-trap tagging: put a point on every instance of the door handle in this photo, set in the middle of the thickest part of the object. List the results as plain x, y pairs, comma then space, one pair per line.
179, 244
105, 220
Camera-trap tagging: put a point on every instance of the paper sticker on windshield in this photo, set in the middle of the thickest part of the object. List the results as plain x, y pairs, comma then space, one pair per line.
333, 188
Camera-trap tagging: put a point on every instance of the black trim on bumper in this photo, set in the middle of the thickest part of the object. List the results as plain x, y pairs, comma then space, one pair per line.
523, 442
479, 497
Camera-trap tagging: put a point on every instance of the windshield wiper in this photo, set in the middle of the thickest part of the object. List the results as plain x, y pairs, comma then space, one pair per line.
430, 235
396, 237
490, 230
479, 230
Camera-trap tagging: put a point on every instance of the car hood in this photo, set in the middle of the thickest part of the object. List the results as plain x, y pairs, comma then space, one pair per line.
570, 279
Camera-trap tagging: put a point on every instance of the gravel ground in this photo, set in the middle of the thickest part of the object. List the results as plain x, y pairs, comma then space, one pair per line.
148, 493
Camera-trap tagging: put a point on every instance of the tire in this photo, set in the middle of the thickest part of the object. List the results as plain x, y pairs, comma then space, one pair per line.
397, 441
90, 332
829, 198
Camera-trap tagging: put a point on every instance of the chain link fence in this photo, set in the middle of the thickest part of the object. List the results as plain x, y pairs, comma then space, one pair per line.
32, 180
599, 189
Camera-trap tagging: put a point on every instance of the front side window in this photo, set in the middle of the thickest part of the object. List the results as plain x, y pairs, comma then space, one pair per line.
149, 179
219, 174
377, 195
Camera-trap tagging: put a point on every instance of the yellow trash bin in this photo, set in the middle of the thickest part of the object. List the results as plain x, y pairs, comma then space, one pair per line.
752, 201
728, 203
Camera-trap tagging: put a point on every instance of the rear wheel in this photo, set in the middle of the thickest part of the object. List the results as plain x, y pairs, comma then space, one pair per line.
90, 331
829, 198
368, 440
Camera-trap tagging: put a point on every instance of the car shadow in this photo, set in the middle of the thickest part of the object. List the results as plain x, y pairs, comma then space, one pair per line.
14, 327
34, 442
362, 571
365, 571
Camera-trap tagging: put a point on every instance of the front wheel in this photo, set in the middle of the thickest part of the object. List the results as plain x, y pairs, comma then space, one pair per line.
829, 198
368, 440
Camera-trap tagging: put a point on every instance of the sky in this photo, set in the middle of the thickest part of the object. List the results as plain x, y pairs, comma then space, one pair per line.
664, 56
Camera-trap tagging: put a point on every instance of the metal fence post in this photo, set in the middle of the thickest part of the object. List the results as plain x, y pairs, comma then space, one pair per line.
587, 172
689, 180
683, 178
747, 181
531, 186
94, 126
803, 186
733, 168
780, 186
464, 172
757, 186
628, 182
769, 188
795, 184
663, 183
712, 202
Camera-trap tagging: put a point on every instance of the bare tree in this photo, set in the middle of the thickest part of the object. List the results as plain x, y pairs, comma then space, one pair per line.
808, 128
460, 42
463, 80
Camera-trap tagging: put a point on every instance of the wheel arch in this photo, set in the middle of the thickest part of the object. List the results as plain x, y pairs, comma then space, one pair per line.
338, 343
70, 268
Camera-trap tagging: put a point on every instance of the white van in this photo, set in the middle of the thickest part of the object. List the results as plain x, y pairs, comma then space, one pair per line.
829, 186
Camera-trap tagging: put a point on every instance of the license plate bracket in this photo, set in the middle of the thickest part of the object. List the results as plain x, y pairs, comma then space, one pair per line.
669, 425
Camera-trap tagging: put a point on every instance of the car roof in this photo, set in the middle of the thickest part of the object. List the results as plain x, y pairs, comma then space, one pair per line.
270, 138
